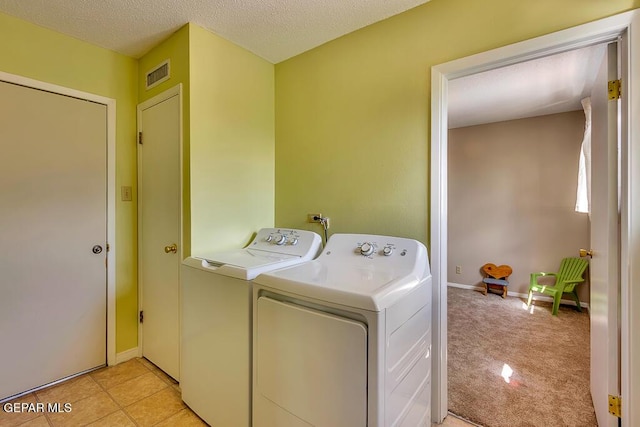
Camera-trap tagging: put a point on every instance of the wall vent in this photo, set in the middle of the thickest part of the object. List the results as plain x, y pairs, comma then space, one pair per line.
158, 75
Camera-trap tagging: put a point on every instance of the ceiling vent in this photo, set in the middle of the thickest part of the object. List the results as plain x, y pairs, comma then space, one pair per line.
158, 75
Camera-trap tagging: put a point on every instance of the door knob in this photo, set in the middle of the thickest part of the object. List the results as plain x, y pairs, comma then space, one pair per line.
584, 253
171, 249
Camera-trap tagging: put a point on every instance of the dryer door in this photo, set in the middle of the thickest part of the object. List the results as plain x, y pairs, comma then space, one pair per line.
311, 368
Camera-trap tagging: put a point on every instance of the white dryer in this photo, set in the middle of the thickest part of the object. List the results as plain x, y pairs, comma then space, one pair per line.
215, 359
345, 340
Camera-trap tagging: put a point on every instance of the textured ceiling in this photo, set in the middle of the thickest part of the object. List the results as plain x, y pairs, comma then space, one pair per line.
279, 29
554, 84
273, 29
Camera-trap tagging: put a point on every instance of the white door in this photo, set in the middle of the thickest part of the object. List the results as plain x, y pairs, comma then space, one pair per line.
159, 231
52, 237
604, 267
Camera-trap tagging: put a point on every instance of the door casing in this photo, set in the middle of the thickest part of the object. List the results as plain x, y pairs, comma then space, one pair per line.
605, 30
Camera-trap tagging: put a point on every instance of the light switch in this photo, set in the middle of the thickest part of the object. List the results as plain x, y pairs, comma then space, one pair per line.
125, 192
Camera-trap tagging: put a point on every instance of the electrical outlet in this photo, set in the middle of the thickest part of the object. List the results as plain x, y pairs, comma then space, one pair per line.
458, 269
312, 217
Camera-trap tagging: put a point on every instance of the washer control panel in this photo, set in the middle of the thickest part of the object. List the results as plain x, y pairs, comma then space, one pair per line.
367, 248
372, 252
379, 247
285, 240
283, 237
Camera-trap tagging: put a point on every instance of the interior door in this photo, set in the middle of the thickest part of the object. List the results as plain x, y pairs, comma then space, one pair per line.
604, 267
159, 232
52, 237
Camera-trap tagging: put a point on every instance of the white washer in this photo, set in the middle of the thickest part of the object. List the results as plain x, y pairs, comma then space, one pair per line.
215, 360
345, 340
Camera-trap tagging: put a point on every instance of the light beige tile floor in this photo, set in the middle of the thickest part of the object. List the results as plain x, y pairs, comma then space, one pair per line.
133, 393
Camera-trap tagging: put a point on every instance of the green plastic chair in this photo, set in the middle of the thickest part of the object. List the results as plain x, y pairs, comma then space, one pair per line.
569, 275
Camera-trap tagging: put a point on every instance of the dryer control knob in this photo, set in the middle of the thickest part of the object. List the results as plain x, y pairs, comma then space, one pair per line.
281, 239
388, 250
367, 249
268, 238
293, 241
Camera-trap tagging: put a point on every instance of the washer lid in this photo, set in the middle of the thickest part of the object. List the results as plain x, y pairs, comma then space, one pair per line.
246, 258
270, 249
343, 275
246, 263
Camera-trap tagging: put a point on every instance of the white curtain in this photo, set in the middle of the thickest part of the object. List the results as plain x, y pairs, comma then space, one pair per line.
583, 194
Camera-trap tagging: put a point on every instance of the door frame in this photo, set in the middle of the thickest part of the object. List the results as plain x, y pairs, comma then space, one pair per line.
169, 93
604, 30
110, 103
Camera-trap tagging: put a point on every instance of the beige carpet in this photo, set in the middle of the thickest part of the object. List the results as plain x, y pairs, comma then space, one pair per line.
549, 356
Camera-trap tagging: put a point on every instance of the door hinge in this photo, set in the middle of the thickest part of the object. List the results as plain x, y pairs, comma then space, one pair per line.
141, 316
614, 88
140, 138
615, 406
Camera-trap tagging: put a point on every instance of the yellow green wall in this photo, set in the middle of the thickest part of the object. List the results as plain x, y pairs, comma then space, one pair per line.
31, 51
232, 143
228, 107
176, 49
351, 119
228, 136
352, 116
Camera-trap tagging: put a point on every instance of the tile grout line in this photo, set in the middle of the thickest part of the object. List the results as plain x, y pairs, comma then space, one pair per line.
169, 384
123, 408
46, 416
105, 390
146, 397
110, 367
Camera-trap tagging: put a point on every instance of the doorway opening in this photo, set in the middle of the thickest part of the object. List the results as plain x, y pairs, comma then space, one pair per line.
514, 139
606, 30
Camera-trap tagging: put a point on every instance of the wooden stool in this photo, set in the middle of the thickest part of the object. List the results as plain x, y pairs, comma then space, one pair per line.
496, 277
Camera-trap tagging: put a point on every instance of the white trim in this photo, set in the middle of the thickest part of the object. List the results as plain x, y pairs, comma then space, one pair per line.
111, 191
607, 29
111, 232
467, 287
439, 225
536, 297
123, 356
169, 93
630, 226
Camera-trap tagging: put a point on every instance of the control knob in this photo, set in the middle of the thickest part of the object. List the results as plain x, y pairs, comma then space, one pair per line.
281, 240
388, 250
293, 241
367, 249
268, 238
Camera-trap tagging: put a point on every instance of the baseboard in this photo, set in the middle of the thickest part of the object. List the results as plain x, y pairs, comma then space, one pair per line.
536, 297
132, 353
469, 287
